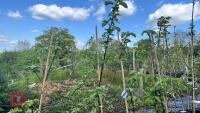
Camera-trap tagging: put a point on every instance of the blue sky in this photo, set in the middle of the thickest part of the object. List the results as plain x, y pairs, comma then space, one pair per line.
24, 20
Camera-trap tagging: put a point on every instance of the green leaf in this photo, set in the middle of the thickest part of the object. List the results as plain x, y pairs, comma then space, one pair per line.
104, 23
132, 34
124, 4
116, 28
168, 18
108, 2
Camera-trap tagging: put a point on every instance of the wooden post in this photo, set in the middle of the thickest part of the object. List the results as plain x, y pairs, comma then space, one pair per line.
98, 69
45, 74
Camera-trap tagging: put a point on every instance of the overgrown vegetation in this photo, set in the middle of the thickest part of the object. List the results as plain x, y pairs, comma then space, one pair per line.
160, 68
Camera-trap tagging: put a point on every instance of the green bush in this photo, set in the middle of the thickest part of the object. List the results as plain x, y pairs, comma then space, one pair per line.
22, 84
59, 75
31, 106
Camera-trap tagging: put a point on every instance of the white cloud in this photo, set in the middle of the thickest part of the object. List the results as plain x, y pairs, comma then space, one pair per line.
180, 13
34, 30
3, 38
100, 12
15, 14
6, 40
128, 11
80, 44
133, 41
54, 12
13, 42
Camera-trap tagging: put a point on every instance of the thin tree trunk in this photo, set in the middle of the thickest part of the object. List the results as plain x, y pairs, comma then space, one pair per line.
157, 52
192, 58
42, 64
98, 70
97, 52
132, 102
42, 61
154, 55
104, 55
157, 63
159, 36
167, 68
174, 94
176, 46
134, 59
167, 52
165, 100
158, 68
45, 74
118, 37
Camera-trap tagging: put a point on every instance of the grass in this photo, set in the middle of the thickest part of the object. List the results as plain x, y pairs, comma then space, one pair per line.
112, 77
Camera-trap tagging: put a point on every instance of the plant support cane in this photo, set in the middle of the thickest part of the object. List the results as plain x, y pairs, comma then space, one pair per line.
141, 87
123, 78
124, 84
45, 75
98, 70
124, 41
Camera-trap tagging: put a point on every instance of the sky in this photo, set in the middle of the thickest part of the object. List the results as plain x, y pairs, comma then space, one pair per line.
27, 19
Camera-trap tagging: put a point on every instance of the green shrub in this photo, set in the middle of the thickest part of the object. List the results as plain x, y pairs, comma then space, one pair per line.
59, 75
22, 84
31, 106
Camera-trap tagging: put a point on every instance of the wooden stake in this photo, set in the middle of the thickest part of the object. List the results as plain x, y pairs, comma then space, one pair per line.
123, 78
97, 52
141, 86
124, 84
45, 74
98, 70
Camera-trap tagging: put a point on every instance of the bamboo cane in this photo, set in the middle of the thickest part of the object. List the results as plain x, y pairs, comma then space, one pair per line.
123, 78
98, 69
124, 84
141, 87
45, 75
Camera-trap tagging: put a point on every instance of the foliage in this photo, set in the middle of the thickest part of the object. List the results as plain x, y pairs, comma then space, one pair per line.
79, 98
4, 92
63, 48
178, 90
30, 106
26, 65
59, 75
